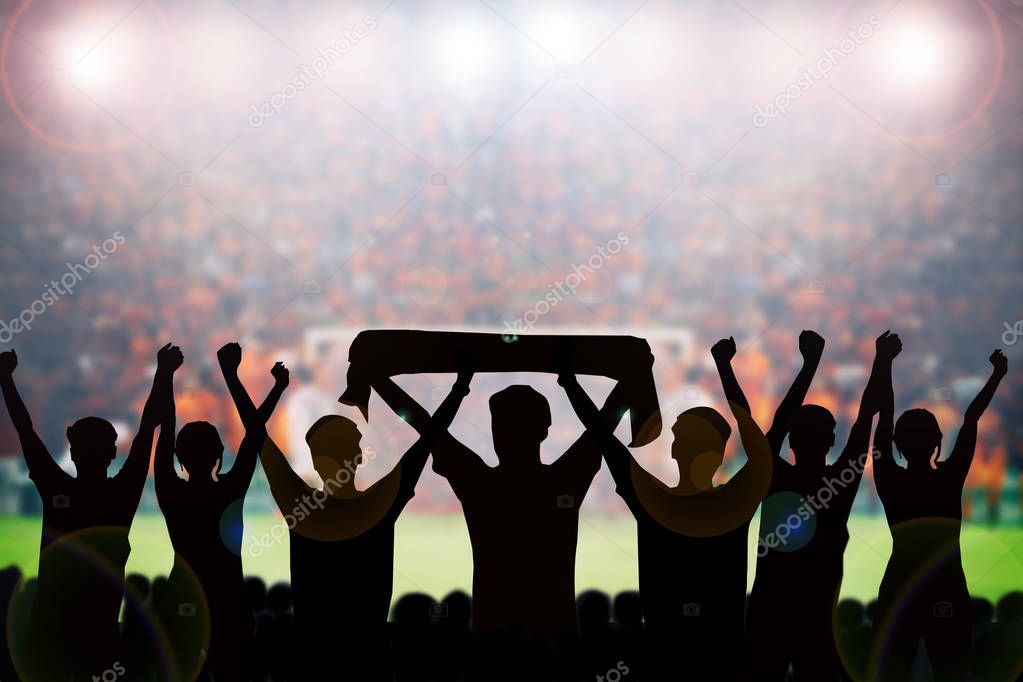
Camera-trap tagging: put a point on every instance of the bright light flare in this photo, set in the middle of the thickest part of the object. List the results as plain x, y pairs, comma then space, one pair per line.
560, 34
919, 55
464, 53
86, 59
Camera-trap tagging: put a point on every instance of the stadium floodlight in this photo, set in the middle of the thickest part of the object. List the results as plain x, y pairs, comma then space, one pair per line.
464, 52
80, 52
560, 34
917, 54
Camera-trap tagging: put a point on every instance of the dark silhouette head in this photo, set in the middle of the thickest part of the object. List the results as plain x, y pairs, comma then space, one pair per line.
413, 610
334, 444
849, 615
255, 590
811, 435
628, 610
917, 436
594, 611
459, 611
982, 611
278, 597
200, 450
93, 444
520, 418
1010, 608
700, 435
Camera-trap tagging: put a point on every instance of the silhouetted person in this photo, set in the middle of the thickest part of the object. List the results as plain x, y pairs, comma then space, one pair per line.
523, 521
10, 580
73, 628
453, 616
137, 640
204, 607
342, 538
923, 593
599, 655
804, 524
692, 538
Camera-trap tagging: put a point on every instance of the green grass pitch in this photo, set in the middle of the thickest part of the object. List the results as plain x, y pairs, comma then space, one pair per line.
432, 553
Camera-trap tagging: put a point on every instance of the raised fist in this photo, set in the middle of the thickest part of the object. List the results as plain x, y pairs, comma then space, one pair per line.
998, 361
723, 350
811, 345
230, 356
465, 363
888, 345
281, 374
8, 361
169, 358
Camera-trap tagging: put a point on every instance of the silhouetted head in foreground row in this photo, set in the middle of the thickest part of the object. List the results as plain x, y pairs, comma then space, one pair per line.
520, 418
918, 437
199, 450
700, 435
93, 444
811, 435
334, 443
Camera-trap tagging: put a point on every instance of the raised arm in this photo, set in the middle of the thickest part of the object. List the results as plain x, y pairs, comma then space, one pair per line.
37, 457
252, 418
600, 424
750, 483
723, 351
402, 404
230, 357
887, 346
163, 463
412, 462
168, 360
962, 452
286, 486
811, 347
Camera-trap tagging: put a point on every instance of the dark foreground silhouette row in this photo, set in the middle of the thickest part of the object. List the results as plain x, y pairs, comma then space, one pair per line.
430, 639
523, 519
